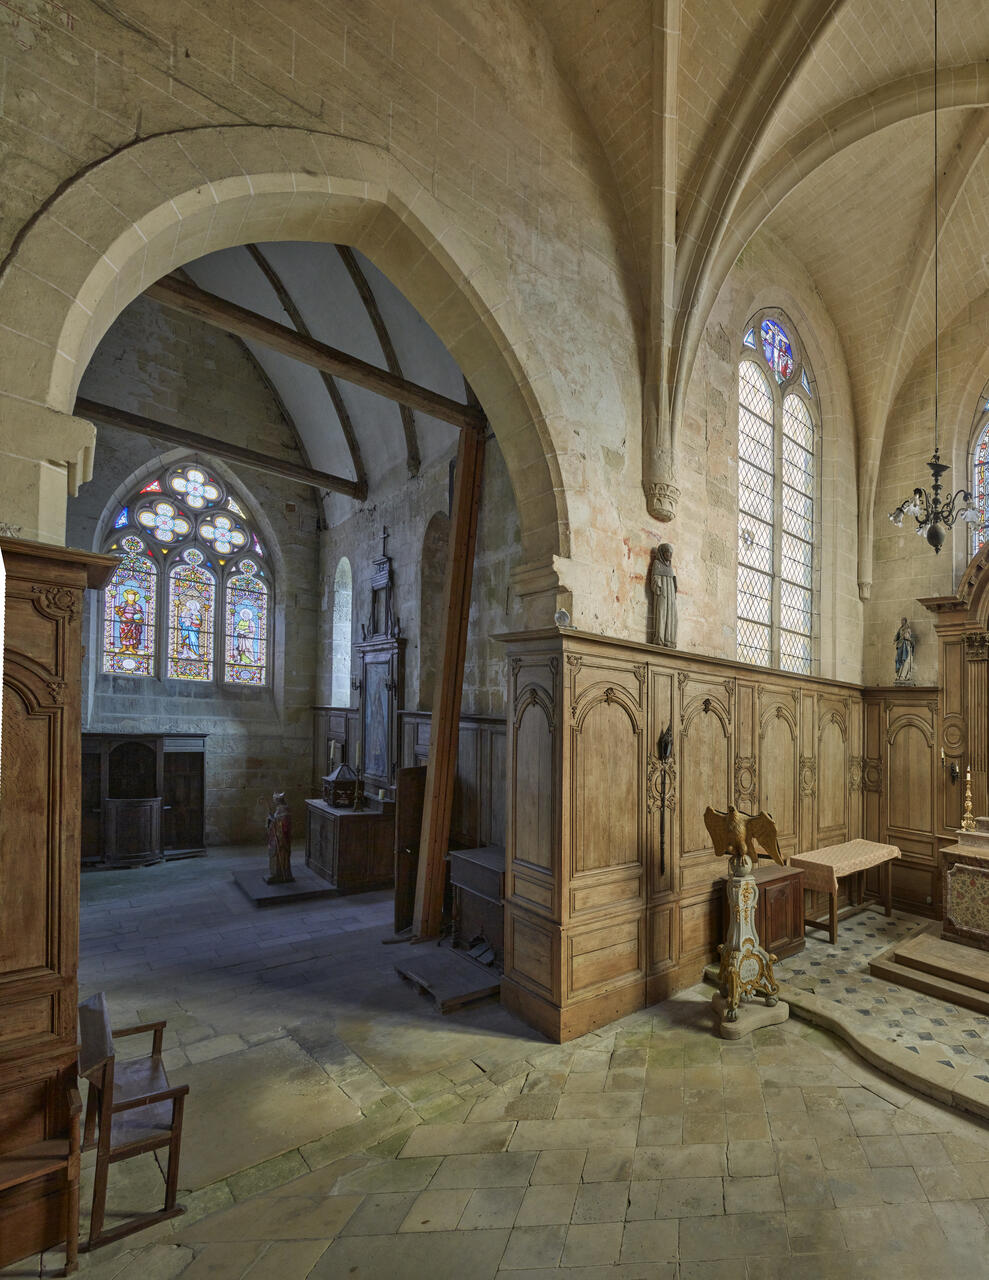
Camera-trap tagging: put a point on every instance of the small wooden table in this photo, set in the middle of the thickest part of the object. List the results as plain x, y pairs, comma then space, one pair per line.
823, 868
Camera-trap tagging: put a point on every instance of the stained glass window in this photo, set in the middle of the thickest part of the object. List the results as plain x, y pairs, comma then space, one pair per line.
776, 490
776, 345
184, 534
980, 486
749, 339
129, 612
191, 604
246, 630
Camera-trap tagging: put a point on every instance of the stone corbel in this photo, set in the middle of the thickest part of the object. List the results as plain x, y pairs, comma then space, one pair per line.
45, 455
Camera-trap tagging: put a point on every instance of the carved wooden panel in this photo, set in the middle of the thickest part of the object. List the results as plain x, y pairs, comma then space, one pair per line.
778, 769
599, 956
533, 782
607, 781
832, 776
706, 770
910, 742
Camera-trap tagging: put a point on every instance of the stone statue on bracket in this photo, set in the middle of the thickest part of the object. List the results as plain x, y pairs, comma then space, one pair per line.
279, 829
905, 645
663, 585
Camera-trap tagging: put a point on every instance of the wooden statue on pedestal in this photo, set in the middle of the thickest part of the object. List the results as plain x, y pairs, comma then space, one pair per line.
279, 828
746, 967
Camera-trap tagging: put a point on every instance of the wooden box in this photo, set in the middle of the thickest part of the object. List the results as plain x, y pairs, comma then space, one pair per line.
780, 909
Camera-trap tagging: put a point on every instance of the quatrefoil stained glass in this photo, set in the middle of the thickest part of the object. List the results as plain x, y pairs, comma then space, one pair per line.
196, 487
223, 533
164, 521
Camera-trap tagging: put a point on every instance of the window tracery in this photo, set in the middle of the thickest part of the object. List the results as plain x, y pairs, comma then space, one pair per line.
980, 477
191, 599
776, 495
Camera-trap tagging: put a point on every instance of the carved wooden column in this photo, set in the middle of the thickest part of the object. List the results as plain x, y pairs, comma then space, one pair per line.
977, 717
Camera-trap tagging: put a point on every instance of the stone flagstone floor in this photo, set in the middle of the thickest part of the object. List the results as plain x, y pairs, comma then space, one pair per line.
468, 1147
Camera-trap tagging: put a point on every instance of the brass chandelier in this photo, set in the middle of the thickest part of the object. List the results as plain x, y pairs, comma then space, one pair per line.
934, 515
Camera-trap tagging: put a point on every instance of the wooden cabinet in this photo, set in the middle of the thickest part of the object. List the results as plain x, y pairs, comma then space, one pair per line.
478, 879
39, 871
143, 797
779, 916
355, 852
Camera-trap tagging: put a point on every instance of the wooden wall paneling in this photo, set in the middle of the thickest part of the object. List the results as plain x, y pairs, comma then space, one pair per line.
977, 708
872, 768
662, 851
39, 867
746, 763
856, 767
911, 769
706, 767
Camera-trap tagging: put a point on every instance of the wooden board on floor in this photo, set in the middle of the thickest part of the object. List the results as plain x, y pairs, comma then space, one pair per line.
449, 977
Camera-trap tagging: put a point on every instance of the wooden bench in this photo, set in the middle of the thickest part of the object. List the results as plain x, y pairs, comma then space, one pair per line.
131, 1109
52, 1155
823, 868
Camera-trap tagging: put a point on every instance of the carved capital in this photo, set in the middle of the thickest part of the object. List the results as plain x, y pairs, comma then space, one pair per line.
661, 500
682, 678
640, 675
574, 662
977, 646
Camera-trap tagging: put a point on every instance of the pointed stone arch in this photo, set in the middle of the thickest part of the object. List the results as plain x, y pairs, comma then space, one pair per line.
159, 203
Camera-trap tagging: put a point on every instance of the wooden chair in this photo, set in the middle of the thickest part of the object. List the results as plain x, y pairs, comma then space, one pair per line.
131, 1109
52, 1155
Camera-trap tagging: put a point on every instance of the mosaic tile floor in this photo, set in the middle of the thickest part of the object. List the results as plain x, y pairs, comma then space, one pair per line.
907, 1018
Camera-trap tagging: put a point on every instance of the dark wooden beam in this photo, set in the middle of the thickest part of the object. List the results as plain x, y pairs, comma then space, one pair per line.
441, 769
218, 448
329, 382
349, 259
231, 318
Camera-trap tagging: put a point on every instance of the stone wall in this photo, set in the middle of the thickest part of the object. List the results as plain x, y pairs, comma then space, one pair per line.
160, 364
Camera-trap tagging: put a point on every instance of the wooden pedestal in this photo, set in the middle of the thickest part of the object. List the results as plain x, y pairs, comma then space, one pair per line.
353, 851
39, 871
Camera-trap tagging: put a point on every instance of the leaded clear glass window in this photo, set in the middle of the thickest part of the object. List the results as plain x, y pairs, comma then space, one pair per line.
980, 477
192, 597
777, 484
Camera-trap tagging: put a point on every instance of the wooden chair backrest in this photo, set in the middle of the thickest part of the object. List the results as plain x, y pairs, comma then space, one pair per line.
95, 1038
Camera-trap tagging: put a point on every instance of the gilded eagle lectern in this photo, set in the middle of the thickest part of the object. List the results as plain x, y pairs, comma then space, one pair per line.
746, 967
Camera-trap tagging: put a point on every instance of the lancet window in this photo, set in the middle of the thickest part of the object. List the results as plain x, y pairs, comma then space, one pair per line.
192, 597
777, 486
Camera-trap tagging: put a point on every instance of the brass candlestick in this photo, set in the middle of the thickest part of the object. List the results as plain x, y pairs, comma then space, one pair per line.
968, 820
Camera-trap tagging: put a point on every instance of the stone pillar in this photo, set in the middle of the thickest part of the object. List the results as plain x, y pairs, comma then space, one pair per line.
44, 456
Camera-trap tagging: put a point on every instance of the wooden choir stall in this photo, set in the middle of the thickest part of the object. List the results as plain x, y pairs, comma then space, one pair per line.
39, 874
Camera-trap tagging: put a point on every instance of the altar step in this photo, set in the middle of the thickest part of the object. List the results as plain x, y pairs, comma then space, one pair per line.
928, 963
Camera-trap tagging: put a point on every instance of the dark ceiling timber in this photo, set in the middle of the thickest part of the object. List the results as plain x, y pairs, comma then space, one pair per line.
218, 448
248, 324
349, 259
329, 382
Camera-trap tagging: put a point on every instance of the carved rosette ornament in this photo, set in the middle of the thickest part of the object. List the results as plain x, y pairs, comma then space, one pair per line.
808, 776
57, 602
872, 775
661, 500
856, 773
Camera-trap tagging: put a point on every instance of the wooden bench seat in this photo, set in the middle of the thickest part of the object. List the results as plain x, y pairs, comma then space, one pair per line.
131, 1109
